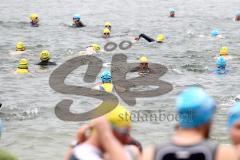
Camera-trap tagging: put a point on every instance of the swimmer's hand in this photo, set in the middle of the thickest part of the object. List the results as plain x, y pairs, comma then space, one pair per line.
81, 135
136, 38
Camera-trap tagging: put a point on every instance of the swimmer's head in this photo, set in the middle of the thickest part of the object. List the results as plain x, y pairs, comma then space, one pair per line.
172, 12
23, 63
96, 47
45, 55
143, 63
160, 38
120, 121
106, 76
221, 62
106, 33
237, 18
108, 25
143, 59
214, 33
76, 18
34, 18
195, 109
20, 46
223, 51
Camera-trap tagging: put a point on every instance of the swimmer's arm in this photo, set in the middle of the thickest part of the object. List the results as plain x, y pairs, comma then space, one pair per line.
148, 154
110, 144
147, 38
226, 152
80, 138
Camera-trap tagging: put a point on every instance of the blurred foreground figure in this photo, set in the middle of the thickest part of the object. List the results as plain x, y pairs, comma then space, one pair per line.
107, 137
234, 125
195, 109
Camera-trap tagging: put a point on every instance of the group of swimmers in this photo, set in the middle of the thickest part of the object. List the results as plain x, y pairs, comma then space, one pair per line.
108, 137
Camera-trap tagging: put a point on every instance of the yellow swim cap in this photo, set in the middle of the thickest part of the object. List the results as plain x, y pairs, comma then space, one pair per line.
96, 47
33, 16
20, 46
106, 30
143, 59
223, 51
160, 38
107, 24
45, 55
23, 63
119, 117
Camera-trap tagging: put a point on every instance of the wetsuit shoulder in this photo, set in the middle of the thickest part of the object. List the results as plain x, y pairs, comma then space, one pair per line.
135, 69
52, 63
46, 63
79, 24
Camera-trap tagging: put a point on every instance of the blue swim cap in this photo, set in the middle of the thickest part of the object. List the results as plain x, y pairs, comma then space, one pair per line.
77, 16
106, 77
221, 62
214, 33
234, 115
195, 107
172, 10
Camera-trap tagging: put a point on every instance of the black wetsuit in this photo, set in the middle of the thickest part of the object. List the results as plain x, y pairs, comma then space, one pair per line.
147, 38
140, 71
200, 151
46, 63
78, 24
34, 24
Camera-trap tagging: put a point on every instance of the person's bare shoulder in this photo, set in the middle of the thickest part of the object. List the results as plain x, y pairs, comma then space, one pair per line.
148, 153
226, 152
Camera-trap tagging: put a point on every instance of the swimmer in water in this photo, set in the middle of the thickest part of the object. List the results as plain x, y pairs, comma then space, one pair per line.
106, 33
106, 82
143, 67
77, 22
20, 46
160, 38
237, 18
214, 33
93, 49
22, 66
225, 53
34, 20
172, 12
108, 25
221, 65
45, 57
